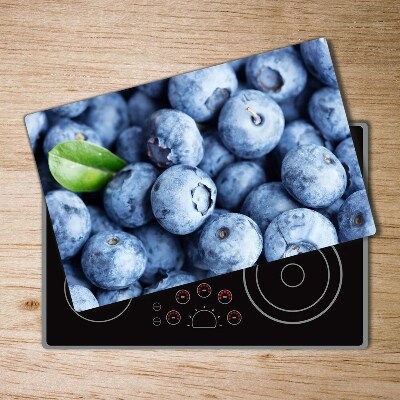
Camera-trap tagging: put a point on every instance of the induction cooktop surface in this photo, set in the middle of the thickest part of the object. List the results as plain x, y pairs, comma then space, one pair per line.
317, 299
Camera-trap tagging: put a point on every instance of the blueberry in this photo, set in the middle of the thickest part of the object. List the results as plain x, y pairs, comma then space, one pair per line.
35, 124
318, 61
71, 110
71, 221
171, 280
291, 110
279, 73
75, 275
296, 107
296, 134
173, 138
113, 259
230, 242
329, 145
105, 297
100, 221
243, 85
202, 93
327, 112
346, 154
140, 107
216, 155
82, 298
332, 211
237, 65
250, 124
67, 130
164, 251
127, 196
266, 202
236, 181
191, 244
198, 273
212, 274
108, 116
297, 231
156, 90
355, 218
182, 198
131, 144
313, 176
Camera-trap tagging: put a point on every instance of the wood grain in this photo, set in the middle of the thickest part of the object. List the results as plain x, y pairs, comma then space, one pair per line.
53, 52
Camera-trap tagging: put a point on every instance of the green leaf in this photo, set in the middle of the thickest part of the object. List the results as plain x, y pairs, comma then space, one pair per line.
81, 166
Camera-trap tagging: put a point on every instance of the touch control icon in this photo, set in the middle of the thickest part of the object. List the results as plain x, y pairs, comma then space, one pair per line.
173, 317
234, 317
204, 290
182, 296
204, 319
225, 296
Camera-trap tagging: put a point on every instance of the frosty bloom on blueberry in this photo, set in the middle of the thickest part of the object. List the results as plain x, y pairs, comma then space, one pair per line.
100, 221
230, 242
295, 108
298, 231
82, 298
127, 196
296, 134
346, 153
156, 89
71, 110
250, 124
313, 176
130, 144
202, 93
182, 198
164, 251
355, 218
318, 61
113, 259
108, 116
35, 124
171, 280
140, 107
71, 221
236, 181
327, 112
332, 211
75, 275
279, 73
173, 138
191, 244
216, 155
266, 202
67, 130
105, 297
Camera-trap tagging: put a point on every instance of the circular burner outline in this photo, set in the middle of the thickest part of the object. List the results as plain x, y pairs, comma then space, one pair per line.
292, 286
88, 319
306, 320
300, 309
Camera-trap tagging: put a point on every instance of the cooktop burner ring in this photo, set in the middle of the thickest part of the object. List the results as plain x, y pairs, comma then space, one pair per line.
89, 319
271, 314
300, 309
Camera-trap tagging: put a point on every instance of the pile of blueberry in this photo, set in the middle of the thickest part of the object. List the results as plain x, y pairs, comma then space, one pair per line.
248, 159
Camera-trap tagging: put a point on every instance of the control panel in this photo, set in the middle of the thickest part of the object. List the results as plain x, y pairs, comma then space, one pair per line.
202, 309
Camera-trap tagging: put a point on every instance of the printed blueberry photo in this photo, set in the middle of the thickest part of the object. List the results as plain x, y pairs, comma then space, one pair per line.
201, 174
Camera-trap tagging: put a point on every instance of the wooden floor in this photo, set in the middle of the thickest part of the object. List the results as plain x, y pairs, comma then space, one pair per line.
52, 53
